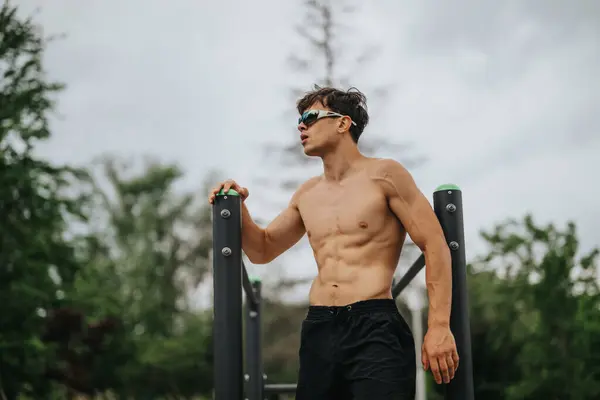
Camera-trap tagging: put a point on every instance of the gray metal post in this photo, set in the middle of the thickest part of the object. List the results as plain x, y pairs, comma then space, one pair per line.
447, 202
227, 286
254, 365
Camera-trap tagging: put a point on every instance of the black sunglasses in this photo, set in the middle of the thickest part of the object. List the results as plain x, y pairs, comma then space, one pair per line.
312, 116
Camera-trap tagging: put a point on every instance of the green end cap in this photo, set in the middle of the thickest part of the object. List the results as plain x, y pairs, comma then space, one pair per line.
254, 279
447, 186
230, 192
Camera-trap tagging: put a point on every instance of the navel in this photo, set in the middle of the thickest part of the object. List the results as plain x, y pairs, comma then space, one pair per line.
363, 225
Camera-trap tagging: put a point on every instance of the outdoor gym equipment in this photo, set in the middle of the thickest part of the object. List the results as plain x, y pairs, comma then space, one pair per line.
230, 276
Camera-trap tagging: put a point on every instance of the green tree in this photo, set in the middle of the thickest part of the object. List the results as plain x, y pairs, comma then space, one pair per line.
159, 239
95, 287
535, 307
149, 248
37, 263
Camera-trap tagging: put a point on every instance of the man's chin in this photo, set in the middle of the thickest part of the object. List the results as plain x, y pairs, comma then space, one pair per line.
311, 152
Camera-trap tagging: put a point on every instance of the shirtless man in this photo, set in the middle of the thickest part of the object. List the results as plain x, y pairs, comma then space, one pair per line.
354, 342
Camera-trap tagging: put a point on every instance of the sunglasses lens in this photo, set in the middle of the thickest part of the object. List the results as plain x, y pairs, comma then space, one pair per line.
309, 117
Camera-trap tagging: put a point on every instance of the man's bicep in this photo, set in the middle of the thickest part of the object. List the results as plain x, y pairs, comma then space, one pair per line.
411, 206
419, 219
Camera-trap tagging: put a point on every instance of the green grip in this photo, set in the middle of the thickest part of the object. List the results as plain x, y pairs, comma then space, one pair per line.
447, 186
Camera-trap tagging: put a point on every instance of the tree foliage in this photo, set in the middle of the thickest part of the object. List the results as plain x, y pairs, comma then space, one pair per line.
95, 268
38, 265
535, 312
157, 239
151, 247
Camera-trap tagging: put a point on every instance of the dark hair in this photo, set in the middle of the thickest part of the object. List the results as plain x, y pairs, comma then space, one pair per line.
352, 103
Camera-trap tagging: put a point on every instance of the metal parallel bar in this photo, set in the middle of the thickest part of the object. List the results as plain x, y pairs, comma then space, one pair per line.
280, 388
247, 285
227, 287
254, 365
409, 275
230, 276
448, 206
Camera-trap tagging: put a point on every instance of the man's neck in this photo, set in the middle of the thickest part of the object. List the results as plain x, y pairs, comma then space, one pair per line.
339, 162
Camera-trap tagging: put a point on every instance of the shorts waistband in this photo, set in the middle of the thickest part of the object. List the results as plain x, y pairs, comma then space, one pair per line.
360, 307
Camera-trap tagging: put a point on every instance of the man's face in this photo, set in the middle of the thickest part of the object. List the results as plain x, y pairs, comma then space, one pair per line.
321, 135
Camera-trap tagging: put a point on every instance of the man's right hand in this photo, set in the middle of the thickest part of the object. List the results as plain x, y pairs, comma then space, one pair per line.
226, 185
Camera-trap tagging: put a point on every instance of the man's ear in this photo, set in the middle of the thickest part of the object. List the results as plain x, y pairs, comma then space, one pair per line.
344, 124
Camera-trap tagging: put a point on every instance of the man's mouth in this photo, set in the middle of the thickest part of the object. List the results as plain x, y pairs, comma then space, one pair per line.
303, 138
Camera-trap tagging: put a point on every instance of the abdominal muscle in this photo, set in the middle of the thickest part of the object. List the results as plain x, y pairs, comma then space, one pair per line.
350, 271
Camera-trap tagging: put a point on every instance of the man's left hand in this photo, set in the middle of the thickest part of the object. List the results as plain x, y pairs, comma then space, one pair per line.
439, 353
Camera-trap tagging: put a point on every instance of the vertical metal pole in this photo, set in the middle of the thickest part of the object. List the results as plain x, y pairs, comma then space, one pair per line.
227, 308
254, 365
416, 312
447, 202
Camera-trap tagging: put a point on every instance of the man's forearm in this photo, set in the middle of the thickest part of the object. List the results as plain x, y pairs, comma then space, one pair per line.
253, 238
438, 277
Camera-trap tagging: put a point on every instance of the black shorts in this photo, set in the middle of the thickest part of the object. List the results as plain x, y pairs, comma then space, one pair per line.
360, 351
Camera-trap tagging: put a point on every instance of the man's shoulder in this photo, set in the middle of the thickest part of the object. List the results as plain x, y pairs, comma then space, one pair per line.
385, 167
309, 183
390, 175
305, 188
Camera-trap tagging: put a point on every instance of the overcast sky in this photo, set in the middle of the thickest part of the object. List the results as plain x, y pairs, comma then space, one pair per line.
499, 96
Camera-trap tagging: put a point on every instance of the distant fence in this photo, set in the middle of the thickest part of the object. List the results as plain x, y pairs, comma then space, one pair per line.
231, 382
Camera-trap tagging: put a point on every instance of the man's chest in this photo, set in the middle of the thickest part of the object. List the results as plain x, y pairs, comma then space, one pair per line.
343, 209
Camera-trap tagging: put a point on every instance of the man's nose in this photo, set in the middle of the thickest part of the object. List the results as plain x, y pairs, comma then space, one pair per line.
302, 127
